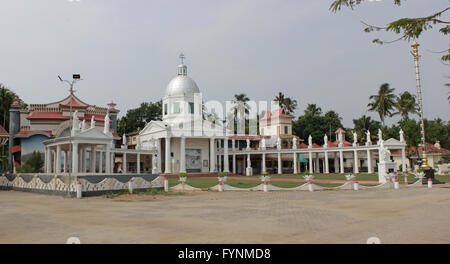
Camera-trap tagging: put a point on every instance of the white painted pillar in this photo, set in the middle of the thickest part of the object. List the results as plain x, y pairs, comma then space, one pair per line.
219, 157
226, 165
74, 157
108, 160
92, 160
317, 170
369, 161
355, 162
263, 163
295, 163
183, 155
100, 161
341, 160
249, 166
234, 163
327, 165
84, 159
159, 156
168, 166
336, 163
124, 163
403, 160
311, 170
280, 164
65, 161
138, 158
111, 164
94, 156
58, 159
233, 143
212, 156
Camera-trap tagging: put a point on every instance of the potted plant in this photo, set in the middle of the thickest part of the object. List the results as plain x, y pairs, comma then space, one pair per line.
183, 177
265, 177
222, 176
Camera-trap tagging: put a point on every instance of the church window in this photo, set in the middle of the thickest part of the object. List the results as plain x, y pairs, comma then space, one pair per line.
191, 108
176, 108
165, 109
286, 130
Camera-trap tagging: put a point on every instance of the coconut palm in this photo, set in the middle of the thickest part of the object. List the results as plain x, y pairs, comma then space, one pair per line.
6, 99
313, 109
406, 104
243, 108
383, 103
286, 103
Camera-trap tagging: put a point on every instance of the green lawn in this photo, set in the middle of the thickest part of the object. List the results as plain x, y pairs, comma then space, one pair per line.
205, 183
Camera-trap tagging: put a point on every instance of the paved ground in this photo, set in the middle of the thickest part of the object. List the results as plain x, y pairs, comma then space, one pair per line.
408, 215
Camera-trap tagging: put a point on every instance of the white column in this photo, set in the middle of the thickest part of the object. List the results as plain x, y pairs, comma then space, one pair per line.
341, 160
226, 165
65, 161
310, 163
327, 166
403, 160
317, 170
212, 156
369, 161
111, 163
84, 159
295, 163
336, 163
92, 160
159, 156
138, 158
233, 143
183, 154
108, 160
168, 165
355, 161
234, 163
100, 161
58, 159
74, 157
249, 165
263, 163
124, 163
220, 162
280, 164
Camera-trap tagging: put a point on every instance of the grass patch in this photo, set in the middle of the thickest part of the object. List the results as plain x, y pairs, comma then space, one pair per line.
328, 185
284, 184
443, 178
242, 184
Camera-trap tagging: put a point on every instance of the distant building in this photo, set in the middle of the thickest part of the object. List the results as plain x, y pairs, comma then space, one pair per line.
30, 127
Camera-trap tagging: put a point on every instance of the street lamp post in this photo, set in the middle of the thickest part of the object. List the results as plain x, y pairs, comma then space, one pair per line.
429, 172
75, 78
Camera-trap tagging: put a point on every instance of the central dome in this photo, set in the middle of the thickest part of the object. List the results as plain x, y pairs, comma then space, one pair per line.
181, 85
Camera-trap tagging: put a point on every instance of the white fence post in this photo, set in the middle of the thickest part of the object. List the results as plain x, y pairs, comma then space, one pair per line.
166, 184
396, 184
265, 186
79, 189
356, 185
310, 186
130, 185
430, 183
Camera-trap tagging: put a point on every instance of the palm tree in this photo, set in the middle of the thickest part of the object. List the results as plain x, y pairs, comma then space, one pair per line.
313, 109
286, 103
6, 99
240, 106
364, 124
406, 103
383, 102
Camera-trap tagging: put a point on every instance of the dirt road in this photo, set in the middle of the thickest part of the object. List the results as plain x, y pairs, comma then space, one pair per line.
408, 215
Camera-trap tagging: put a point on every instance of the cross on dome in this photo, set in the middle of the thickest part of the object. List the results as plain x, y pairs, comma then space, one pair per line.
182, 57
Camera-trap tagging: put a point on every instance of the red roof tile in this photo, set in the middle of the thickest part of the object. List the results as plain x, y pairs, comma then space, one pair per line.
3, 131
245, 136
430, 149
48, 115
302, 145
97, 118
74, 104
277, 113
15, 149
28, 133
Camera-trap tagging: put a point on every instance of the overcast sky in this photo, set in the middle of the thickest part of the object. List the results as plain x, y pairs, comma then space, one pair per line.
127, 51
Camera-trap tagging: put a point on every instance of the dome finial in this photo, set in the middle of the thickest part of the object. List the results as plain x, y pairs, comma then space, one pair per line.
182, 57
182, 69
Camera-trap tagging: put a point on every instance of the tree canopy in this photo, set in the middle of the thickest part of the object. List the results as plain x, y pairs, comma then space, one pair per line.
407, 28
137, 118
